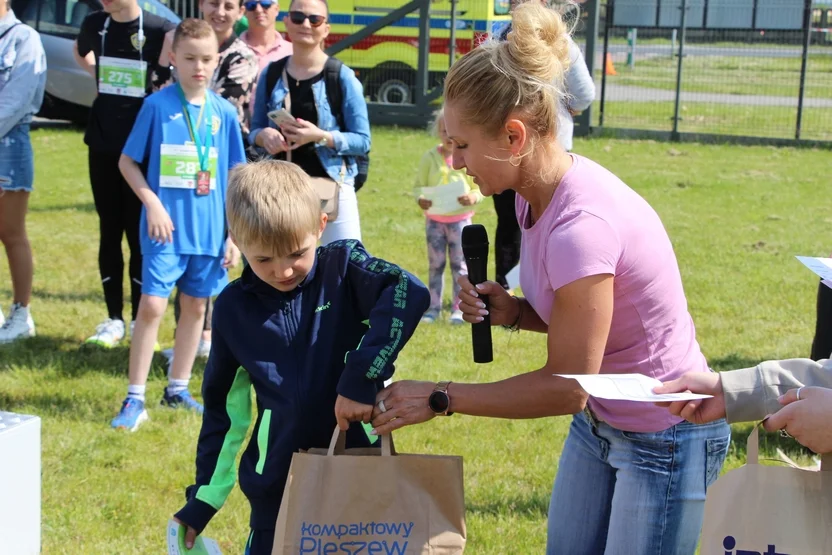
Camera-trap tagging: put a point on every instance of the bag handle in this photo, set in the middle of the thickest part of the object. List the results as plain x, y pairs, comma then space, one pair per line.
753, 449
337, 444
753, 445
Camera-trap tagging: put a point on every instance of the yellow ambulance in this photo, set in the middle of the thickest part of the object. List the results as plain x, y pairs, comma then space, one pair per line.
386, 61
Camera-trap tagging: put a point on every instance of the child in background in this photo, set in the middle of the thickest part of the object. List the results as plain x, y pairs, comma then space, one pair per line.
190, 138
315, 332
444, 231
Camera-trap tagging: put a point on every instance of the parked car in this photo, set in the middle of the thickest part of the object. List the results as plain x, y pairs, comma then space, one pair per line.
69, 89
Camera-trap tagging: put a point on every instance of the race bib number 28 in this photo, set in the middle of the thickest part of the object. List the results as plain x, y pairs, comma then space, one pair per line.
180, 166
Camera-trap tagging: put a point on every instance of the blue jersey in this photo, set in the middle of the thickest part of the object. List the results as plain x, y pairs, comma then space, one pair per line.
161, 139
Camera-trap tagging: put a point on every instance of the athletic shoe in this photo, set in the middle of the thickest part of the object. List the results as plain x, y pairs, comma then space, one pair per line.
131, 416
107, 334
456, 317
181, 401
18, 326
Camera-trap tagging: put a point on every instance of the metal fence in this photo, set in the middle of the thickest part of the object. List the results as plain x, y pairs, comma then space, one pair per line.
764, 77
739, 70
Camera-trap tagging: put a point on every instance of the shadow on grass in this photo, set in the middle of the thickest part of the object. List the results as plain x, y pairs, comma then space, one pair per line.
535, 505
70, 359
80, 207
59, 296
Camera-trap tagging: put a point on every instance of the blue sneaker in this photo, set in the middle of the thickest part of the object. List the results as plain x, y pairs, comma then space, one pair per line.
131, 416
181, 401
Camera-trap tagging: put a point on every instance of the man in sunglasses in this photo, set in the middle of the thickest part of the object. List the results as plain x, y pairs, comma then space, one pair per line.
261, 36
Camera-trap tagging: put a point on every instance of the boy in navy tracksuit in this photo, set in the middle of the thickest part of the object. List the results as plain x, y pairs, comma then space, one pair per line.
311, 330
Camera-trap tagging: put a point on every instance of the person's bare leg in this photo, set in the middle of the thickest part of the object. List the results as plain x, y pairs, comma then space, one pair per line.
13, 208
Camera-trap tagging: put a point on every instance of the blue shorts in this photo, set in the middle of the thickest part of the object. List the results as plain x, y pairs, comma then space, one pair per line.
197, 276
17, 163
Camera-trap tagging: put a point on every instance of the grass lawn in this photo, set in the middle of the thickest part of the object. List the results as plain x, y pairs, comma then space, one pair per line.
736, 216
726, 119
731, 74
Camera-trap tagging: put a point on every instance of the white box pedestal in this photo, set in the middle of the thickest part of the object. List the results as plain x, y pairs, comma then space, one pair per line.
19, 484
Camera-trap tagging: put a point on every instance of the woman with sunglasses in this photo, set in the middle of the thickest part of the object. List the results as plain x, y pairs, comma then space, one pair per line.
323, 139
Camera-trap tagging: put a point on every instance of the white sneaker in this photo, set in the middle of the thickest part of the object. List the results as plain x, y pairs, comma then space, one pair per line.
107, 334
204, 349
2, 318
456, 317
18, 326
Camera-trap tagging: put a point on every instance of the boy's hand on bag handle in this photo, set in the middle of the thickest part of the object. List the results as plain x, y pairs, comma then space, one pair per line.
700, 411
806, 417
504, 308
190, 534
347, 410
425, 204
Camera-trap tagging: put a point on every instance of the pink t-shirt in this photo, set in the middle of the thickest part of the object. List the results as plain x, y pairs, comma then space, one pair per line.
595, 224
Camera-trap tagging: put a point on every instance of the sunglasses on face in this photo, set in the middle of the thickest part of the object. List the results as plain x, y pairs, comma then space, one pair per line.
299, 17
251, 5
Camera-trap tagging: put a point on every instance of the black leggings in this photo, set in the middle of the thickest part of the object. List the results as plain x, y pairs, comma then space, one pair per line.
822, 343
119, 210
507, 241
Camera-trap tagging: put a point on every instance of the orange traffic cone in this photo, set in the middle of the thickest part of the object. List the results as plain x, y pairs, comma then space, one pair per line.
609, 68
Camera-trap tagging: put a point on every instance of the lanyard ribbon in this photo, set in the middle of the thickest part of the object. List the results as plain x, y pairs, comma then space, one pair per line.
139, 36
202, 153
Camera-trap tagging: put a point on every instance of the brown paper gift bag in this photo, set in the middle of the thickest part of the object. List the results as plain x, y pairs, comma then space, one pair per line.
769, 510
360, 501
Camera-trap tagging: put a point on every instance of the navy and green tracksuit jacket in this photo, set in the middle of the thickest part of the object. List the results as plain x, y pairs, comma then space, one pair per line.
338, 332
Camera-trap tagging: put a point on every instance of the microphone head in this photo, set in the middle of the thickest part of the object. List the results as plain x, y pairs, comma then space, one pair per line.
474, 241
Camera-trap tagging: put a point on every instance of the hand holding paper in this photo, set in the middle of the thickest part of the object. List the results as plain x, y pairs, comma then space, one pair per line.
444, 198
176, 542
627, 387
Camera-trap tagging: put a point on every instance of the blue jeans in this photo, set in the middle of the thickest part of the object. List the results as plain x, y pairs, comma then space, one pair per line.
626, 493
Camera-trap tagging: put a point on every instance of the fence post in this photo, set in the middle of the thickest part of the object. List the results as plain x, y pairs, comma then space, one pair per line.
632, 33
608, 18
424, 53
452, 47
807, 41
592, 7
674, 135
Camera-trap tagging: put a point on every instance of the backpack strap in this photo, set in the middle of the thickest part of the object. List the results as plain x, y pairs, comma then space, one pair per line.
9, 30
273, 72
332, 81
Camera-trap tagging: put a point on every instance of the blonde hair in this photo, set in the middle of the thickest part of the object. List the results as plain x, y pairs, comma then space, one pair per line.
271, 204
522, 76
437, 119
192, 28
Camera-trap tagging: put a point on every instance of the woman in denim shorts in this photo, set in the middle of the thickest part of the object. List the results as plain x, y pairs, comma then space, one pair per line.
22, 82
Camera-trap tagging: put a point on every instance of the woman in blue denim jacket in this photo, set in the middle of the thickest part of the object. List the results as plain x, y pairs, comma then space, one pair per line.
22, 82
317, 144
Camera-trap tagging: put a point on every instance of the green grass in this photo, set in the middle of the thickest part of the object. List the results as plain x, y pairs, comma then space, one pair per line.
731, 75
736, 216
725, 119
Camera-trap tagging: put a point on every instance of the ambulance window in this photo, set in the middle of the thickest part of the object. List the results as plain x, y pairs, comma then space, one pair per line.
502, 7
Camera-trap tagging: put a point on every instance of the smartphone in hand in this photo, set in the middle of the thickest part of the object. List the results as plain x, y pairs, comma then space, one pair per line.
281, 117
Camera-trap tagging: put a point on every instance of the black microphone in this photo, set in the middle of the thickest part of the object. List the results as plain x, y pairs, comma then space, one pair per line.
475, 250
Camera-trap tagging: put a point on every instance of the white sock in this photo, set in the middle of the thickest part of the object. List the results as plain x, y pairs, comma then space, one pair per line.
175, 387
136, 392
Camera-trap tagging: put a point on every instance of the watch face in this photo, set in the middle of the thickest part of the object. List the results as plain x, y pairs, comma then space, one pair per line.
438, 402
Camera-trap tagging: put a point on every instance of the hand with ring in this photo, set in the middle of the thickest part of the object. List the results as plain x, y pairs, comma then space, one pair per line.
402, 404
806, 414
347, 410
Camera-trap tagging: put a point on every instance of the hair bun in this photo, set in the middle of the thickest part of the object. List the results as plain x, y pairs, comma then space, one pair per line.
538, 44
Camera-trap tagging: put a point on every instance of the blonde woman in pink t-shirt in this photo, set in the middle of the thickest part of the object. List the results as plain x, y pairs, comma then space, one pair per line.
443, 228
601, 281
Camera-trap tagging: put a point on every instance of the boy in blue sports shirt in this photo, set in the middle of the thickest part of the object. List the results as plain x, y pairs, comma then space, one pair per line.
315, 331
189, 138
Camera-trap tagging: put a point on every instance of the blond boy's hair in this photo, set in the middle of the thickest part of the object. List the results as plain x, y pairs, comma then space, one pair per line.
271, 205
192, 28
